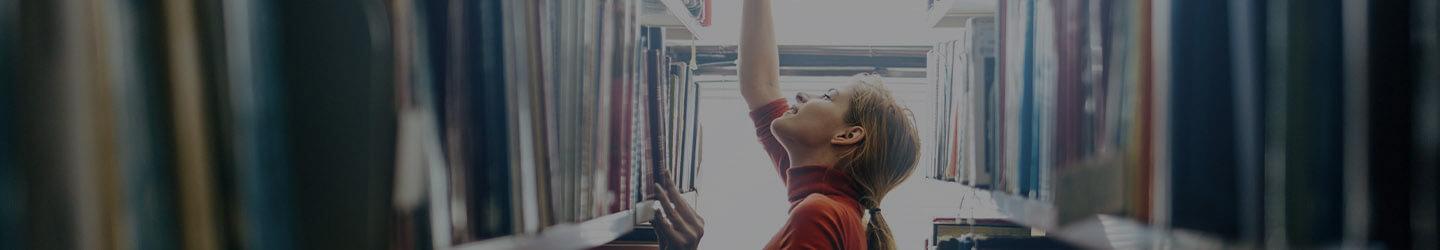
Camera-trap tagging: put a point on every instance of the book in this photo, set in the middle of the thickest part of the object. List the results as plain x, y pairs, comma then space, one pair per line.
962, 81
11, 185
700, 11
194, 169
1203, 164
263, 186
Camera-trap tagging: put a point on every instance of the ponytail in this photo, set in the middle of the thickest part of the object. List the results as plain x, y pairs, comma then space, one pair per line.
877, 232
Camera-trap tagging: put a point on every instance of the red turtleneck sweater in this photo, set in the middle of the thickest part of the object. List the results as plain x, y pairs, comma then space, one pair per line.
824, 208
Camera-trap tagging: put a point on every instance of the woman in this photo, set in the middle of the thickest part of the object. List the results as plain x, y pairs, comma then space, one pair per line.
837, 152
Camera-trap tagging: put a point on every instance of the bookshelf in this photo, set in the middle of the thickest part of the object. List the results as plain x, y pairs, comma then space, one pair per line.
675, 18
562, 118
1102, 231
583, 235
1054, 149
1112, 139
954, 13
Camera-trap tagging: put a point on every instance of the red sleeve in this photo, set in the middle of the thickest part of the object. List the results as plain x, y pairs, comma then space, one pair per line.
762, 116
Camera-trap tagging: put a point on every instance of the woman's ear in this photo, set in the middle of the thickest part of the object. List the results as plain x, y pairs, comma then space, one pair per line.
850, 136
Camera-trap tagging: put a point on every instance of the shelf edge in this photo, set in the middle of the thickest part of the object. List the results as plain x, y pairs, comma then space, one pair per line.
583, 235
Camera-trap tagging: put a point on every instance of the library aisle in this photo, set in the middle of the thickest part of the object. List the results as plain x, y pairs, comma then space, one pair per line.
545, 124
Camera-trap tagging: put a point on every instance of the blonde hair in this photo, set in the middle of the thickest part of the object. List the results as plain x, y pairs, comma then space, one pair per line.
885, 157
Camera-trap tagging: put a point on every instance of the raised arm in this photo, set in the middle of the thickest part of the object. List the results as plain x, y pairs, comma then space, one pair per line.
760, 78
759, 56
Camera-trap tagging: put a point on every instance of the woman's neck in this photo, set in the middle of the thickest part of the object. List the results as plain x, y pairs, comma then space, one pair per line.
824, 156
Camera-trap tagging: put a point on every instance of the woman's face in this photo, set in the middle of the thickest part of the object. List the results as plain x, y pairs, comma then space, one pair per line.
815, 119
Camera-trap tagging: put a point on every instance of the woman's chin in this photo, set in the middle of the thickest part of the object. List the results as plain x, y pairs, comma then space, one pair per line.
781, 124
786, 121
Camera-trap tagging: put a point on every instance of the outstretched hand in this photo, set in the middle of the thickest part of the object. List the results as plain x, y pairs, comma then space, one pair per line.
677, 226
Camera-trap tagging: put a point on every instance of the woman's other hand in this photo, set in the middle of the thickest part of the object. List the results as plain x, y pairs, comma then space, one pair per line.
677, 225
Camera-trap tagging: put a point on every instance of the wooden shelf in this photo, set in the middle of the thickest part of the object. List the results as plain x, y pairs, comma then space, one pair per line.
1114, 232
1095, 231
672, 15
1024, 211
953, 13
584, 235
1099, 231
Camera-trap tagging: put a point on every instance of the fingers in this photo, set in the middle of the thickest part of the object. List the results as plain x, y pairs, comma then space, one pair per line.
667, 206
677, 226
664, 232
673, 192
680, 226
686, 213
668, 179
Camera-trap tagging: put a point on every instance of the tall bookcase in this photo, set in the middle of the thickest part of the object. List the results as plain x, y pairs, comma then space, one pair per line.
339, 124
543, 123
1194, 124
